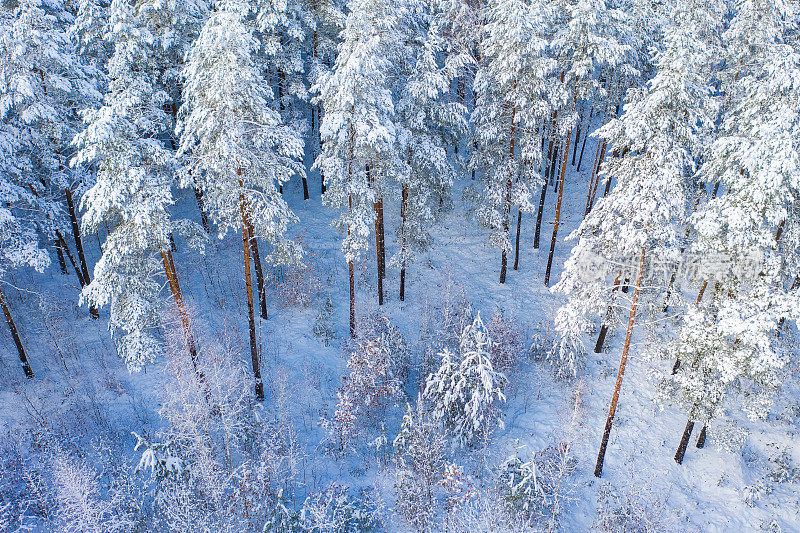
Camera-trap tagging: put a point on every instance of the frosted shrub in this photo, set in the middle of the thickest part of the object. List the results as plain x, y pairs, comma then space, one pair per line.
334, 511
631, 510
538, 489
80, 506
368, 388
297, 284
378, 326
419, 459
506, 342
322, 324
465, 391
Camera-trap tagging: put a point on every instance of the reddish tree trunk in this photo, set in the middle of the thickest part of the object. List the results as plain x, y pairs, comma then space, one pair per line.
248, 280
558, 210
172, 277
516, 245
601, 338
403, 207
598, 469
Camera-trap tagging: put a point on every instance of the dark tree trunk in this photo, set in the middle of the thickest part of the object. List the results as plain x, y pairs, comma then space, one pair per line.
76, 232
262, 293
601, 338
172, 246
586, 136
248, 280
687, 433
598, 469
26, 367
596, 179
378, 255
542, 197
381, 239
352, 299
66, 250
516, 244
558, 210
198, 194
504, 256
577, 139
62, 264
701, 439
403, 207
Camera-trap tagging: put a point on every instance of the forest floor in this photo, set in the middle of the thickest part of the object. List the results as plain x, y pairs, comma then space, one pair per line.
84, 393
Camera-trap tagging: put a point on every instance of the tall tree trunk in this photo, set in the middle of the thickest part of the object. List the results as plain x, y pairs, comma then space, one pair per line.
26, 367
601, 338
62, 264
558, 209
507, 208
177, 295
377, 206
701, 439
516, 245
198, 195
598, 469
350, 265
687, 433
65, 248
262, 293
251, 315
403, 208
577, 137
544, 191
596, 177
586, 136
76, 231
539, 214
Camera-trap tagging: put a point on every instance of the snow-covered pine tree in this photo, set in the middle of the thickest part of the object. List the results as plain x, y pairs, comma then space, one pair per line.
19, 242
237, 149
433, 124
327, 22
513, 87
419, 464
465, 392
747, 237
132, 192
359, 132
589, 46
46, 83
284, 29
88, 32
663, 130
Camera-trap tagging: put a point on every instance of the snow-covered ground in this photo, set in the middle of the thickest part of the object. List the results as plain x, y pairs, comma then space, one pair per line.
84, 398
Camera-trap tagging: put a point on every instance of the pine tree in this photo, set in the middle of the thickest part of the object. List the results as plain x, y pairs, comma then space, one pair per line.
513, 89
132, 193
359, 132
432, 124
588, 46
237, 148
465, 392
747, 237
664, 128
47, 84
